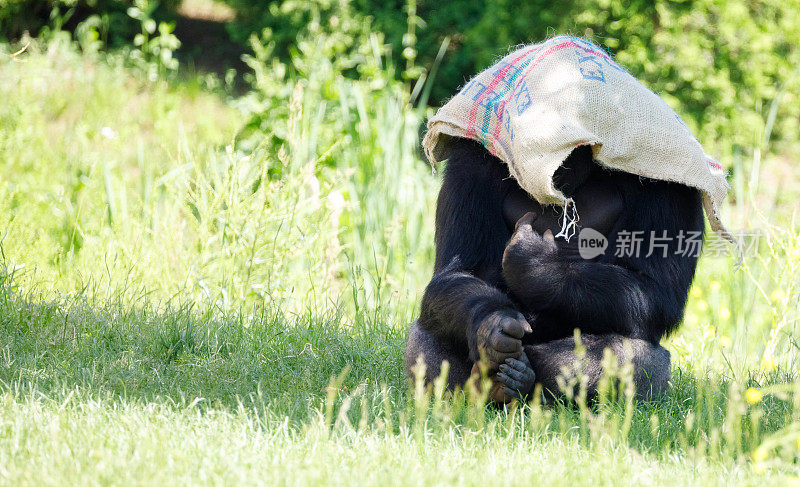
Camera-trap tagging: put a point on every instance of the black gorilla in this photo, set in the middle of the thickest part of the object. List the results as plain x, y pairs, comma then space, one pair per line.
502, 285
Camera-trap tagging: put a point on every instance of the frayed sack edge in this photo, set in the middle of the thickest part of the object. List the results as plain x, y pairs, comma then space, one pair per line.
435, 148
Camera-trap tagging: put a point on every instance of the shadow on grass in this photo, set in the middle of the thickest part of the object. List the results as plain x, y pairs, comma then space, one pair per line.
283, 365
179, 354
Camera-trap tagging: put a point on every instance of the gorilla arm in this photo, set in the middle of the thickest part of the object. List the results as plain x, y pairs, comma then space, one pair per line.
463, 305
637, 296
593, 296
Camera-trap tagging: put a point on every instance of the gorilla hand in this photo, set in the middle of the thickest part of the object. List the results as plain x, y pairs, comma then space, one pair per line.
531, 266
527, 244
499, 337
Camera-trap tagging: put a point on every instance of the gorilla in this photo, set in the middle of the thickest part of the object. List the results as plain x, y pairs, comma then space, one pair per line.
506, 291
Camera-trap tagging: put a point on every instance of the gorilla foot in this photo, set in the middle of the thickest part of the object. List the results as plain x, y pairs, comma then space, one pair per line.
517, 377
496, 388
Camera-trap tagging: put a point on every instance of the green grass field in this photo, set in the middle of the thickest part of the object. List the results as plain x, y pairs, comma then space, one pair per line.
197, 288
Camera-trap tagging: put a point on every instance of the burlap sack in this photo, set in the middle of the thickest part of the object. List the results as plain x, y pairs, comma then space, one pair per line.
537, 104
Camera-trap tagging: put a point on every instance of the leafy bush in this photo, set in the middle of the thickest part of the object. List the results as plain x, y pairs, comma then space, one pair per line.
336, 112
724, 66
321, 200
118, 28
727, 66
18, 16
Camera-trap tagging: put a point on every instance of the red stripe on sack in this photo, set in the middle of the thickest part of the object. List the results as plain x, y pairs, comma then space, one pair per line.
471, 120
550, 51
553, 49
598, 53
473, 113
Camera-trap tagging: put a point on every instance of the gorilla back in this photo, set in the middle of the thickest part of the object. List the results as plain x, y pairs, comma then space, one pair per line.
505, 289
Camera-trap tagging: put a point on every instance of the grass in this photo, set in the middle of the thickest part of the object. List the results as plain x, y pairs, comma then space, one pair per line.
201, 289
169, 443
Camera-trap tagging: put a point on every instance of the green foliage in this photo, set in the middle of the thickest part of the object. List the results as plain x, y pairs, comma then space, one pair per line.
327, 165
479, 32
18, 16
113, 22
336, 112
723, 65
155, 44
415, 29
151, 51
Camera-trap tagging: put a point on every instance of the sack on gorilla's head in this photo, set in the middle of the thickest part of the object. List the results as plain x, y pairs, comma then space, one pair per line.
537, 104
